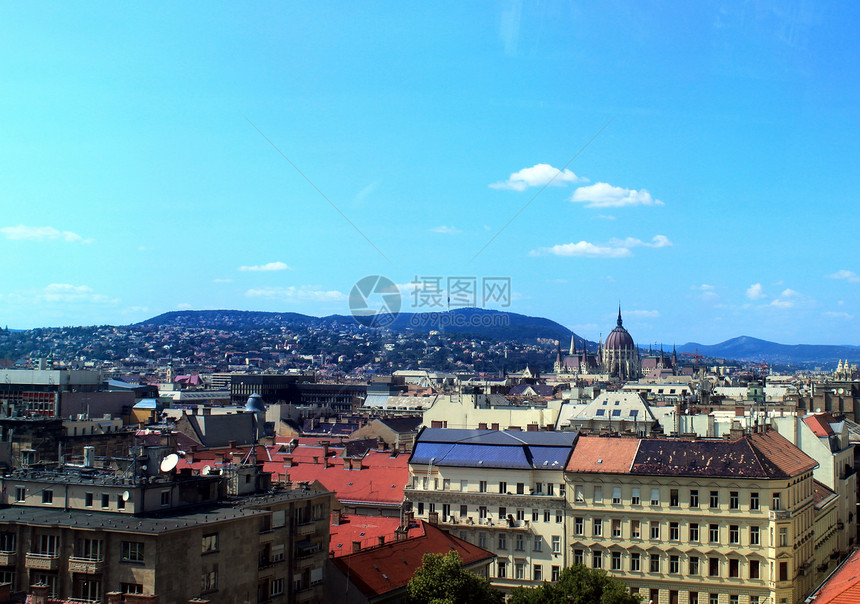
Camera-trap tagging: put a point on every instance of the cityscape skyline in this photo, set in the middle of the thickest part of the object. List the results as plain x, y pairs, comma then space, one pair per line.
692, 163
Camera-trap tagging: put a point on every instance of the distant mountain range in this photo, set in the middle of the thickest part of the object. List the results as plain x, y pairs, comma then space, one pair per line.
500, 325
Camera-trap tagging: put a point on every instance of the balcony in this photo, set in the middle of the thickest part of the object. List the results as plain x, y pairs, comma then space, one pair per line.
307, 561
309, 528
779, 514
308, 594
35, 561
8, 558
89, 566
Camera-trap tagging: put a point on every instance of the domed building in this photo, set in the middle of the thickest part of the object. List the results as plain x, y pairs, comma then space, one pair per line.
619, 355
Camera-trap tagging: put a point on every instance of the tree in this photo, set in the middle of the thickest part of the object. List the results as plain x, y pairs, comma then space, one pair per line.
577, 585
441, 579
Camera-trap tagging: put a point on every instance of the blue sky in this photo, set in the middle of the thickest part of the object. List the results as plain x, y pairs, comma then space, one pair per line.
695, 161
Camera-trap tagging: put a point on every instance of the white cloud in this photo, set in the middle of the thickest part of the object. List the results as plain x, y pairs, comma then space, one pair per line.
642, 314
221, 280
787, 299
538, 175
585, 249
707, 292
616, 248
704, 287
67, 293
270, 266
754, 292
837, 315
365, 192
845, 275
23, 232
303, 293
445, 230
184, 306
604, 195
605, 217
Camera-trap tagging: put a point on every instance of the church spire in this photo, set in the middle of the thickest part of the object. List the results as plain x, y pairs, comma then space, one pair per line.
572, 345
619, 316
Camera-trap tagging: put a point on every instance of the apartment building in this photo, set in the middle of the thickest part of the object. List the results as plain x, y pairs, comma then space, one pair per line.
696, 521
89, 534
503, 491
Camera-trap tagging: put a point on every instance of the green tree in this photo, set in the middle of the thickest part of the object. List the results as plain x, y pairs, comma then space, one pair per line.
577, 585
442, 580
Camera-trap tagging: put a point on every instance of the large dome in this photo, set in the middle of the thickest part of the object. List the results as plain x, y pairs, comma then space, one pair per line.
619, 338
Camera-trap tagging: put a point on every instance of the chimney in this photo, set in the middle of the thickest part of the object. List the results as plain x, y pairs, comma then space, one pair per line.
189, 457
356, 546
231, 444
325, 449
433, 518
357, 465
38, 594
335, 517
347, 463
380, 444
316, 459
288, 462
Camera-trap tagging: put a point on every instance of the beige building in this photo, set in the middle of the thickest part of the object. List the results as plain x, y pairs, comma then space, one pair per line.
502, 491
494, 412
695, 521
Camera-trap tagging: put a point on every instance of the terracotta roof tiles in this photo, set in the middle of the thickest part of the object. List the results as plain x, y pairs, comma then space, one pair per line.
603, 454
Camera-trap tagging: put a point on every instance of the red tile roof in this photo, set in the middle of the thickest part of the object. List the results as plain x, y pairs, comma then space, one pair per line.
366, 530
776, 451
386, 568
603, 454
819, 423
843, 587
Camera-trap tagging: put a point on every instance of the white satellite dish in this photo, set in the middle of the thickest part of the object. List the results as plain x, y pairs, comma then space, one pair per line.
841, 391
205, 471
169, 462
126, 495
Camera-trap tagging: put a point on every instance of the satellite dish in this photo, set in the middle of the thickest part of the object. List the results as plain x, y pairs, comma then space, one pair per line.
169, 462
205, 471
126, 495
841, 391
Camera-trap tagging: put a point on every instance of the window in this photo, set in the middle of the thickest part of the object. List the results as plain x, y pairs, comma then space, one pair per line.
715, 499
694, 532
91, 549
503, 541
105, 500
577, 556
538, 488
694, 498
754, 535
597, 528
734, 533
753, 599
519, 543
503, 512
421, 509
131, 588
538, 544
556, 544
783, 571
783, 537
48, 545
713, 598
482, 512
634, 496
754, 569
734, 500
7, 542
674, 565
777, 502
46, 579
210, 543
521, 514
482, 540
616, 528
20, 494
615, 562
714, 533
556, 573
501, 569
432, 508
734, 568
88, 500
655, 496
464, 511
616, 494
519, 571
634, 529
596, 559
131, 551
47, 496
209, 580
537, 572
734, 599
535, 515
521, 488
713, 567
634, 562
693, 597
598, 494
577, 526
165, 497
674, 531
87, 588
693, 565
276, 587
546, 515
120, 502
550, 492
482, 486
503, 487
655, 530
673, 498
559, 517
560, 489
654, 563
578, 494
754, 504
446, 484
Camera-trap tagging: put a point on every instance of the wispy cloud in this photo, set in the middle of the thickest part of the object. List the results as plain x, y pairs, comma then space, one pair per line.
604, 195
787, 299
538, 176
755, 292
642, 314
445, 230
67, 293
269, 266
184, 306
302, 293
365, 192
706, 292
45, 233
837, 315
222, 280
616, 248
845, 275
